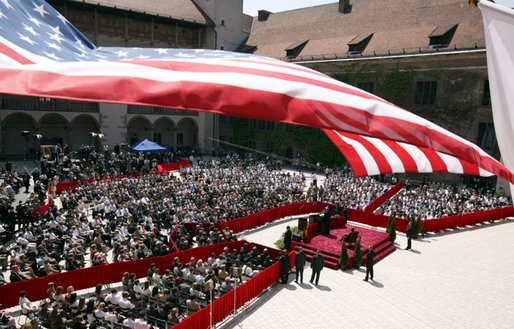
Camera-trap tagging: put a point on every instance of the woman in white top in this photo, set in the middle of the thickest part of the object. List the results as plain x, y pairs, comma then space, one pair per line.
25, 303
99, 312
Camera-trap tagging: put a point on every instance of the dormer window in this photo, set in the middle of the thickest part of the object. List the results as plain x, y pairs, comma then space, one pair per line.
295, 49
442, 36
359, 43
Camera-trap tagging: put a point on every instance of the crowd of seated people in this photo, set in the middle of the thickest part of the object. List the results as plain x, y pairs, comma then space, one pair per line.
342, 188
162, 299
132, 216
436, 200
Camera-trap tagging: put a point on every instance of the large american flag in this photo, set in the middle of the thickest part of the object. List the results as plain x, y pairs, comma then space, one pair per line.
42, 54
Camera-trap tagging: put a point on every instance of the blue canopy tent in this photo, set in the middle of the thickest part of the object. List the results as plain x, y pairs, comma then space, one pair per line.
147, 146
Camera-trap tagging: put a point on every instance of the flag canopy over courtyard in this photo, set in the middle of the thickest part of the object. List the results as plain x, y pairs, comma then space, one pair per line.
42, 54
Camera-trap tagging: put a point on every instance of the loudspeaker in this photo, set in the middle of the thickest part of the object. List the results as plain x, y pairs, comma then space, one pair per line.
302, 224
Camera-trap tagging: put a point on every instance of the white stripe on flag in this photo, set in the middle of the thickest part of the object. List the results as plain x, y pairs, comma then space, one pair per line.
369, 162
392, 158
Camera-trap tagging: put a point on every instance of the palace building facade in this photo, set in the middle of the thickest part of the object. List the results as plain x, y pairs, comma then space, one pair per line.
425, 56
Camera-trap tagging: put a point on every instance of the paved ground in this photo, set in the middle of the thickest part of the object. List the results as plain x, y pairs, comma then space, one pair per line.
457, 279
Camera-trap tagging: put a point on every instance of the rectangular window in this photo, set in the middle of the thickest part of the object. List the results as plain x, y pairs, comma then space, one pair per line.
486, 96
486, 136
367, 86
426, 92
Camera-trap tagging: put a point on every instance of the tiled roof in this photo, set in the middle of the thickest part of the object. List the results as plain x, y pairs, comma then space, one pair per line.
247, 23
396, 25
177, 9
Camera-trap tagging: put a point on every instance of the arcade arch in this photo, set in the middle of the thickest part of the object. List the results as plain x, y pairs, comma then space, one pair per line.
138, 128
164, 130
15, 145
187, 133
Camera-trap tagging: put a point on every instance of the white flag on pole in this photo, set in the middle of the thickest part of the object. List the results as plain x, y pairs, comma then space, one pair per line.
499, 37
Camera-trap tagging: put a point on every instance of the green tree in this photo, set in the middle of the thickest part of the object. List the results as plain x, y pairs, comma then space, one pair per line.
391, 229
343, 258
357, 254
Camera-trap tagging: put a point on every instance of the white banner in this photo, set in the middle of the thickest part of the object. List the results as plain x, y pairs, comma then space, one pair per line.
499, 37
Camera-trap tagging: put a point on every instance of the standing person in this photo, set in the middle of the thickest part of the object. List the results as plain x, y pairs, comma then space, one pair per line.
284, 268
288, 236
370, 261
409, 235
299, 264
317, 263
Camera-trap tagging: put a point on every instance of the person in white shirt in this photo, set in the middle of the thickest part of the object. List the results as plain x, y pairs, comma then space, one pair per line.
156, 278
141, 323
25, 303
129, 322
138, 289
111, 316
114, 297
125, 303
99, 312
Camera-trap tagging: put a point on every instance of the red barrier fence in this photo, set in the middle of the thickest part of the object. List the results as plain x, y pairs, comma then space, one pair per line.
373, 205
451, 222
254, 220
266, 216
109, 273
376, 220
432, 225
162, 168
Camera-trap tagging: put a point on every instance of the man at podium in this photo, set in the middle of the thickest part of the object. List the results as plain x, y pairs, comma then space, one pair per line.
325, 220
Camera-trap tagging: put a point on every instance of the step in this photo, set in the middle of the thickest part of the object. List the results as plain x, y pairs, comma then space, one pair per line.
330, 262
384, 253
327, 257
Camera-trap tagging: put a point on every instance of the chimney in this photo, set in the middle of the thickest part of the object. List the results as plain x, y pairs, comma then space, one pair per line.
263, 15
344, 5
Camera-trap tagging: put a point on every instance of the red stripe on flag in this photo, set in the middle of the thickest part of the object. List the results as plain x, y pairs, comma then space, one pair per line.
469, 169
435, 160
219, 67
383, 165
408, 162
9, 52
353, 158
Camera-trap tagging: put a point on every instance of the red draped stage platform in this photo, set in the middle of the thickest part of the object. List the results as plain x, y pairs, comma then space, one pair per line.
330, 245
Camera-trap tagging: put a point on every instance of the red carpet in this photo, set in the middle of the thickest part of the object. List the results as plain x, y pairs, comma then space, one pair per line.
331, 247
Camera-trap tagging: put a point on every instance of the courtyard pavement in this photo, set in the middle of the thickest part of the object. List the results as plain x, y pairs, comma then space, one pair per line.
458, 279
